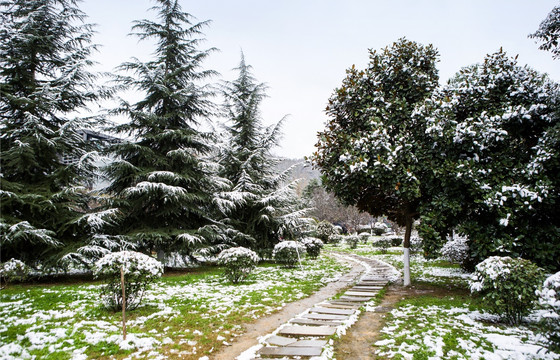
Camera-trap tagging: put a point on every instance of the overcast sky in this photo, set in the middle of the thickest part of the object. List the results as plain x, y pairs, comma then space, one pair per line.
301, 48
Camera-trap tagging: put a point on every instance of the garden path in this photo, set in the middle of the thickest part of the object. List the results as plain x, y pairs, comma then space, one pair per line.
305, 335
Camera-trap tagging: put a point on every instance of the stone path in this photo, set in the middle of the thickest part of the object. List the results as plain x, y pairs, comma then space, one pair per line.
305, 336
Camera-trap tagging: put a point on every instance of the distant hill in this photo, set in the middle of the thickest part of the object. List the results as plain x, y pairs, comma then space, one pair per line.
301, 170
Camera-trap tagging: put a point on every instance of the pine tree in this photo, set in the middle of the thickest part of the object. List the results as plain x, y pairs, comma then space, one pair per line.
161, 182
264, 205
44, 58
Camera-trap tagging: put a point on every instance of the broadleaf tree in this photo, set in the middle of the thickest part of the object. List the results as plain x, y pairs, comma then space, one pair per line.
263, 206
45, 48
162, 183
549, 33
498, 124
373, 152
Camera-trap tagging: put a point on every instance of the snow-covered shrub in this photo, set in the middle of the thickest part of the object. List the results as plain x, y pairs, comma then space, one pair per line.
395, 240
416, 244
336, 239
13, 270
383, 244
313, 246
139, 272
325, 231
352, 241
288, 252
507, 286
364, 236
549, 299
379, 228
456, 249
238, 262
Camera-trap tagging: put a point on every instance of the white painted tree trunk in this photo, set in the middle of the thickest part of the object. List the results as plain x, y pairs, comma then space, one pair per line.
406, 262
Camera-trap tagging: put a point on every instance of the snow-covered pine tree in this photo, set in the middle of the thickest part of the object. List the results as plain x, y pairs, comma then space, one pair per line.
161, 183
264, 204
45, 47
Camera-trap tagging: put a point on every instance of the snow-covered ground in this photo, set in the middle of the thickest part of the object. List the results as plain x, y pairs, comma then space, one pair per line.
38, 321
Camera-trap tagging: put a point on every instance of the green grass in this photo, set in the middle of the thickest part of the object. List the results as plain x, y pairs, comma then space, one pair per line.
195, 310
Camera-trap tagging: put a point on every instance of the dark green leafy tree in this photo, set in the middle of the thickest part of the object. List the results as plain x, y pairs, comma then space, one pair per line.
498, 125
161, 181
373, 153
261, 205
45, 47
549, 33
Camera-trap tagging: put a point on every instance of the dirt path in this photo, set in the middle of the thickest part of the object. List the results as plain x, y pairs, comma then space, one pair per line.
358, 342
268, 324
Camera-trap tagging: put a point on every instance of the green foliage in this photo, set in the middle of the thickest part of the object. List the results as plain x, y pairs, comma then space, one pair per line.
238, 262
549, 33
13, 270
498, 125
260, 205
325, 231
383, 244
45, 47
549, 299
352, 241
508, 286
162, 182
139, 272
288, 252
313, 247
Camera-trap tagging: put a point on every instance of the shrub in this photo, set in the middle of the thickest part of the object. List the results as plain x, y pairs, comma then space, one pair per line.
313, 246
395, 240
139, 272
456, 249
288, 252
379, 228
416, 244
13, 270
383, 244
336, 239
238, 262
549, 299
325, 231
507, 286
364, 236
352, 241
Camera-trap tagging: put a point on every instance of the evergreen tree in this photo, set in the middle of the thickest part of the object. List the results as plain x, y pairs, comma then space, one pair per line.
44, 58
264, 206
161, 182
374, 153
549, 33
499, 128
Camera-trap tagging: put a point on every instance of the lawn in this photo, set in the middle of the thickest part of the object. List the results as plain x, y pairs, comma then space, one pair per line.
183, 316
447, 323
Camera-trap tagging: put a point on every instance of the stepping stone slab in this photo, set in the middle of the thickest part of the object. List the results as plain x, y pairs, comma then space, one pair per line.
356, 298
280, 340
322, 310
291, 351
311, 322
310, 343
368, 287
348, 303
358, 293
337, 306
325, 317
307, 331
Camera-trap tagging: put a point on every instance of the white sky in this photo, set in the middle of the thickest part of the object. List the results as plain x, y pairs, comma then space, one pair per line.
301, 48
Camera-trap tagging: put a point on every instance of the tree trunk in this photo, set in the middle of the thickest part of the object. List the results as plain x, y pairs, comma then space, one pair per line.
406, 250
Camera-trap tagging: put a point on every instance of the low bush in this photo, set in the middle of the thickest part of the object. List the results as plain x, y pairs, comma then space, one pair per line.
288, 252
507, 286
364, 236
352, 241
549, 299
379, 228
416, 244
395, 240
456, 249
140, 271
238, 263
383, 244
325, 231
313, 246
13, 270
